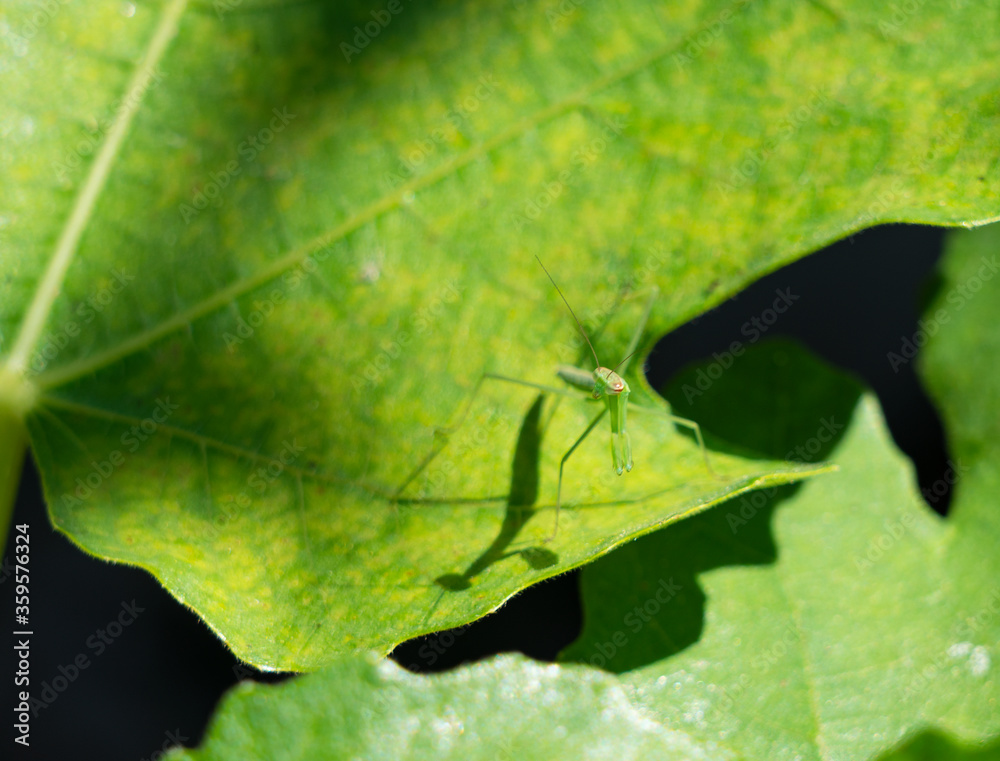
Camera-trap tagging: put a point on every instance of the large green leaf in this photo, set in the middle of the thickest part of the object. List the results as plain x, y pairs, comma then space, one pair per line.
281, 264
507, 709
875, 619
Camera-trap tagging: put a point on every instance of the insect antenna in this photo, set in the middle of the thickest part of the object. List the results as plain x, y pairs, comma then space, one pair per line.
578, 323
627, 358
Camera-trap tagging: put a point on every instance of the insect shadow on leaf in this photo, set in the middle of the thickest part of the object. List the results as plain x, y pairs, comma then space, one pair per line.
520, 507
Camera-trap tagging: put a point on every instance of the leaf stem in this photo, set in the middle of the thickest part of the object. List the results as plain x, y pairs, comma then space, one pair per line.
69, 239
17, 397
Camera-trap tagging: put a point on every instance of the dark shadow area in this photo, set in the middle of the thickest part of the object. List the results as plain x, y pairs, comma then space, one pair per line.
936, 746
450, 648
853, 303
520, 508
798, 409
688, 549
775, 402
539, 622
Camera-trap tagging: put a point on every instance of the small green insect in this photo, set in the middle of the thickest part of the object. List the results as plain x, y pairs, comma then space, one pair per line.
602, 383
609, 385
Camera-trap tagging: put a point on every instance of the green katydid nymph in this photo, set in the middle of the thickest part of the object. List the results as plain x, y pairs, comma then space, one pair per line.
607, 384
602, 383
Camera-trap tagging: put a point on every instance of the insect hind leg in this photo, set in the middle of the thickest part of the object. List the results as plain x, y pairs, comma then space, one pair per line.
442, 434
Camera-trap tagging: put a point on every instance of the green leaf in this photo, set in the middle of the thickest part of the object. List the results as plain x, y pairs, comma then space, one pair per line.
357, 708
874, 617
251, 272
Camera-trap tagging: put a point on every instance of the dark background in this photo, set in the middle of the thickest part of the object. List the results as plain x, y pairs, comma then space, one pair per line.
162, 676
